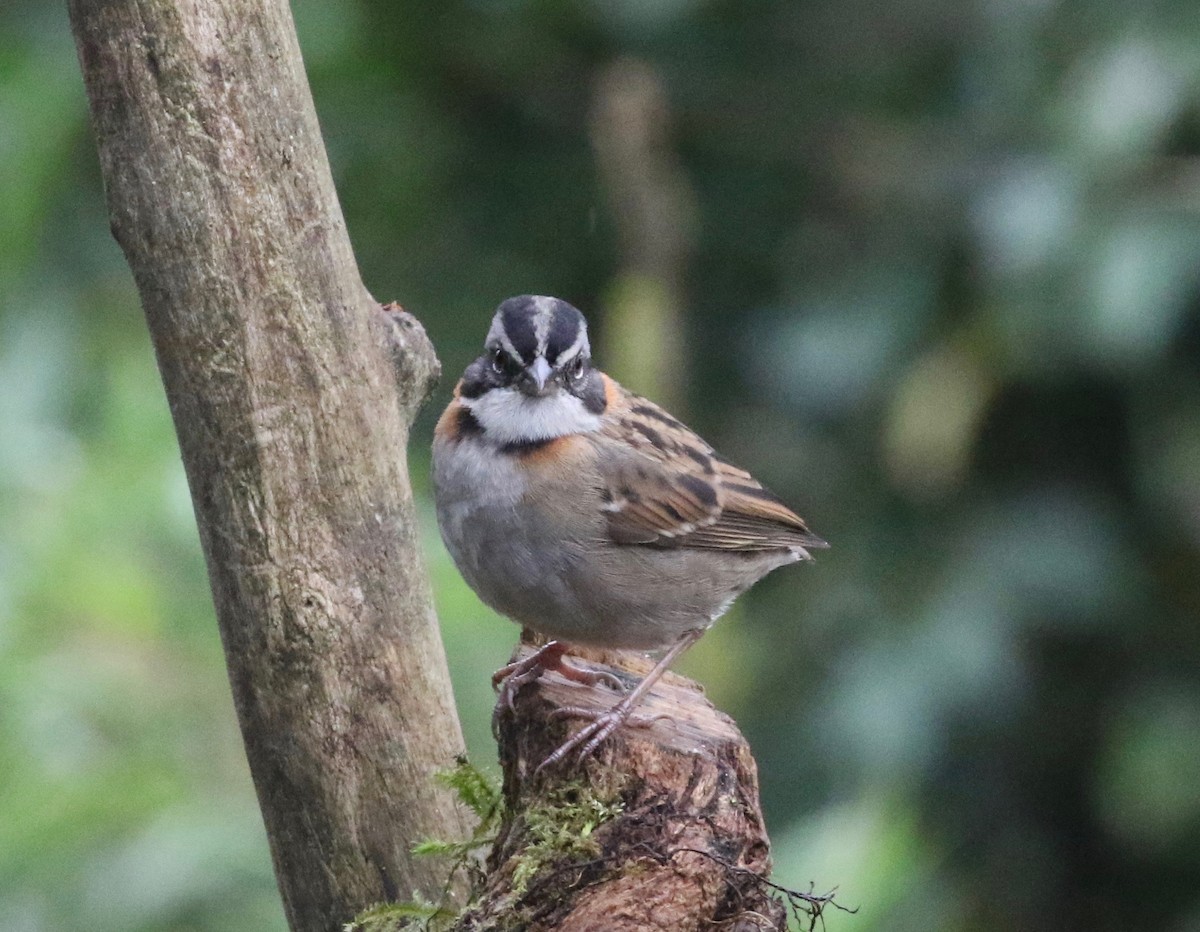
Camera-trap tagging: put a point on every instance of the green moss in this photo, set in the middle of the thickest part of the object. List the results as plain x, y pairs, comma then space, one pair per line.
479, 792
560, 827
393, 917
555, 829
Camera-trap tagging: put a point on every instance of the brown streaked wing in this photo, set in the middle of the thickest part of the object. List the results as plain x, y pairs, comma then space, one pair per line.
660, 477
752, 518
672, 490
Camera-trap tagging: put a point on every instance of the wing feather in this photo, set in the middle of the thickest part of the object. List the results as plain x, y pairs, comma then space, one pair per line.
664, 486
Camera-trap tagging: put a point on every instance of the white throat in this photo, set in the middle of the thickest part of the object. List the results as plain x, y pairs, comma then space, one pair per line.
510, 416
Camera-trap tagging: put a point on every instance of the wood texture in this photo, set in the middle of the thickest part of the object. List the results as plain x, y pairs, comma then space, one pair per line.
292, 393
687, 849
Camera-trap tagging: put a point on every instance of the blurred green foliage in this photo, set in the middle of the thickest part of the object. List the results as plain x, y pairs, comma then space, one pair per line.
941, 289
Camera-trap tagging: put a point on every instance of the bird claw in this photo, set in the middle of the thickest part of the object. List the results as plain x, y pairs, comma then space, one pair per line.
510, 679
596, 731
512, 684
632, 719
590, 736
602, 724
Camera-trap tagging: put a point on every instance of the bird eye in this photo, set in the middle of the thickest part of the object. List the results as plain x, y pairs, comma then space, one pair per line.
576, 367
504, 365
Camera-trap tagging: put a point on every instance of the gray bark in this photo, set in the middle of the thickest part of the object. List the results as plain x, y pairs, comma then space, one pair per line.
292, 394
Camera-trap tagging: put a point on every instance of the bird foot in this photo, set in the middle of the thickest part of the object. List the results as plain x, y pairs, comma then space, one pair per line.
600, 726
603, 724
510, 679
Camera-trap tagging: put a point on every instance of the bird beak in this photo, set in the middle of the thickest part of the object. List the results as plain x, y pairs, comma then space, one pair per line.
535, 377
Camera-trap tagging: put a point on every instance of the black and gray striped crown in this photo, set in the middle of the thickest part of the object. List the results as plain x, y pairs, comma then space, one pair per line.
529, 326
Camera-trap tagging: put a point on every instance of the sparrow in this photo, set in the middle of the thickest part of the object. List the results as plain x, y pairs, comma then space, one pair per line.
588, 513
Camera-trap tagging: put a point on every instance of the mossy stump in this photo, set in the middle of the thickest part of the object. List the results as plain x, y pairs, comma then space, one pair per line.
661, 830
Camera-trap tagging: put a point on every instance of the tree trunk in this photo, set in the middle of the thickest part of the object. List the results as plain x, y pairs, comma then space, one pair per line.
661, 830
292, 394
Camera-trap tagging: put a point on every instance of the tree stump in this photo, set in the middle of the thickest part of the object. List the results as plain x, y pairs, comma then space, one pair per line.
661, 829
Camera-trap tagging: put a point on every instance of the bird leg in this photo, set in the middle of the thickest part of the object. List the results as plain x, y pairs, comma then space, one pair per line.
603, 724
509, 679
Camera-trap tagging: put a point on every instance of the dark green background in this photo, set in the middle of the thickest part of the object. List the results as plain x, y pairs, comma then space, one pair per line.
939, 288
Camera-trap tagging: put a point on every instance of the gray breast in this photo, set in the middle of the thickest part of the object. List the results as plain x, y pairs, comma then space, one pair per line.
499, 542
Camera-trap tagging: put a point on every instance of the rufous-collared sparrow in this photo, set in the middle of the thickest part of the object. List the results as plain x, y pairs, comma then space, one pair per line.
587, 513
